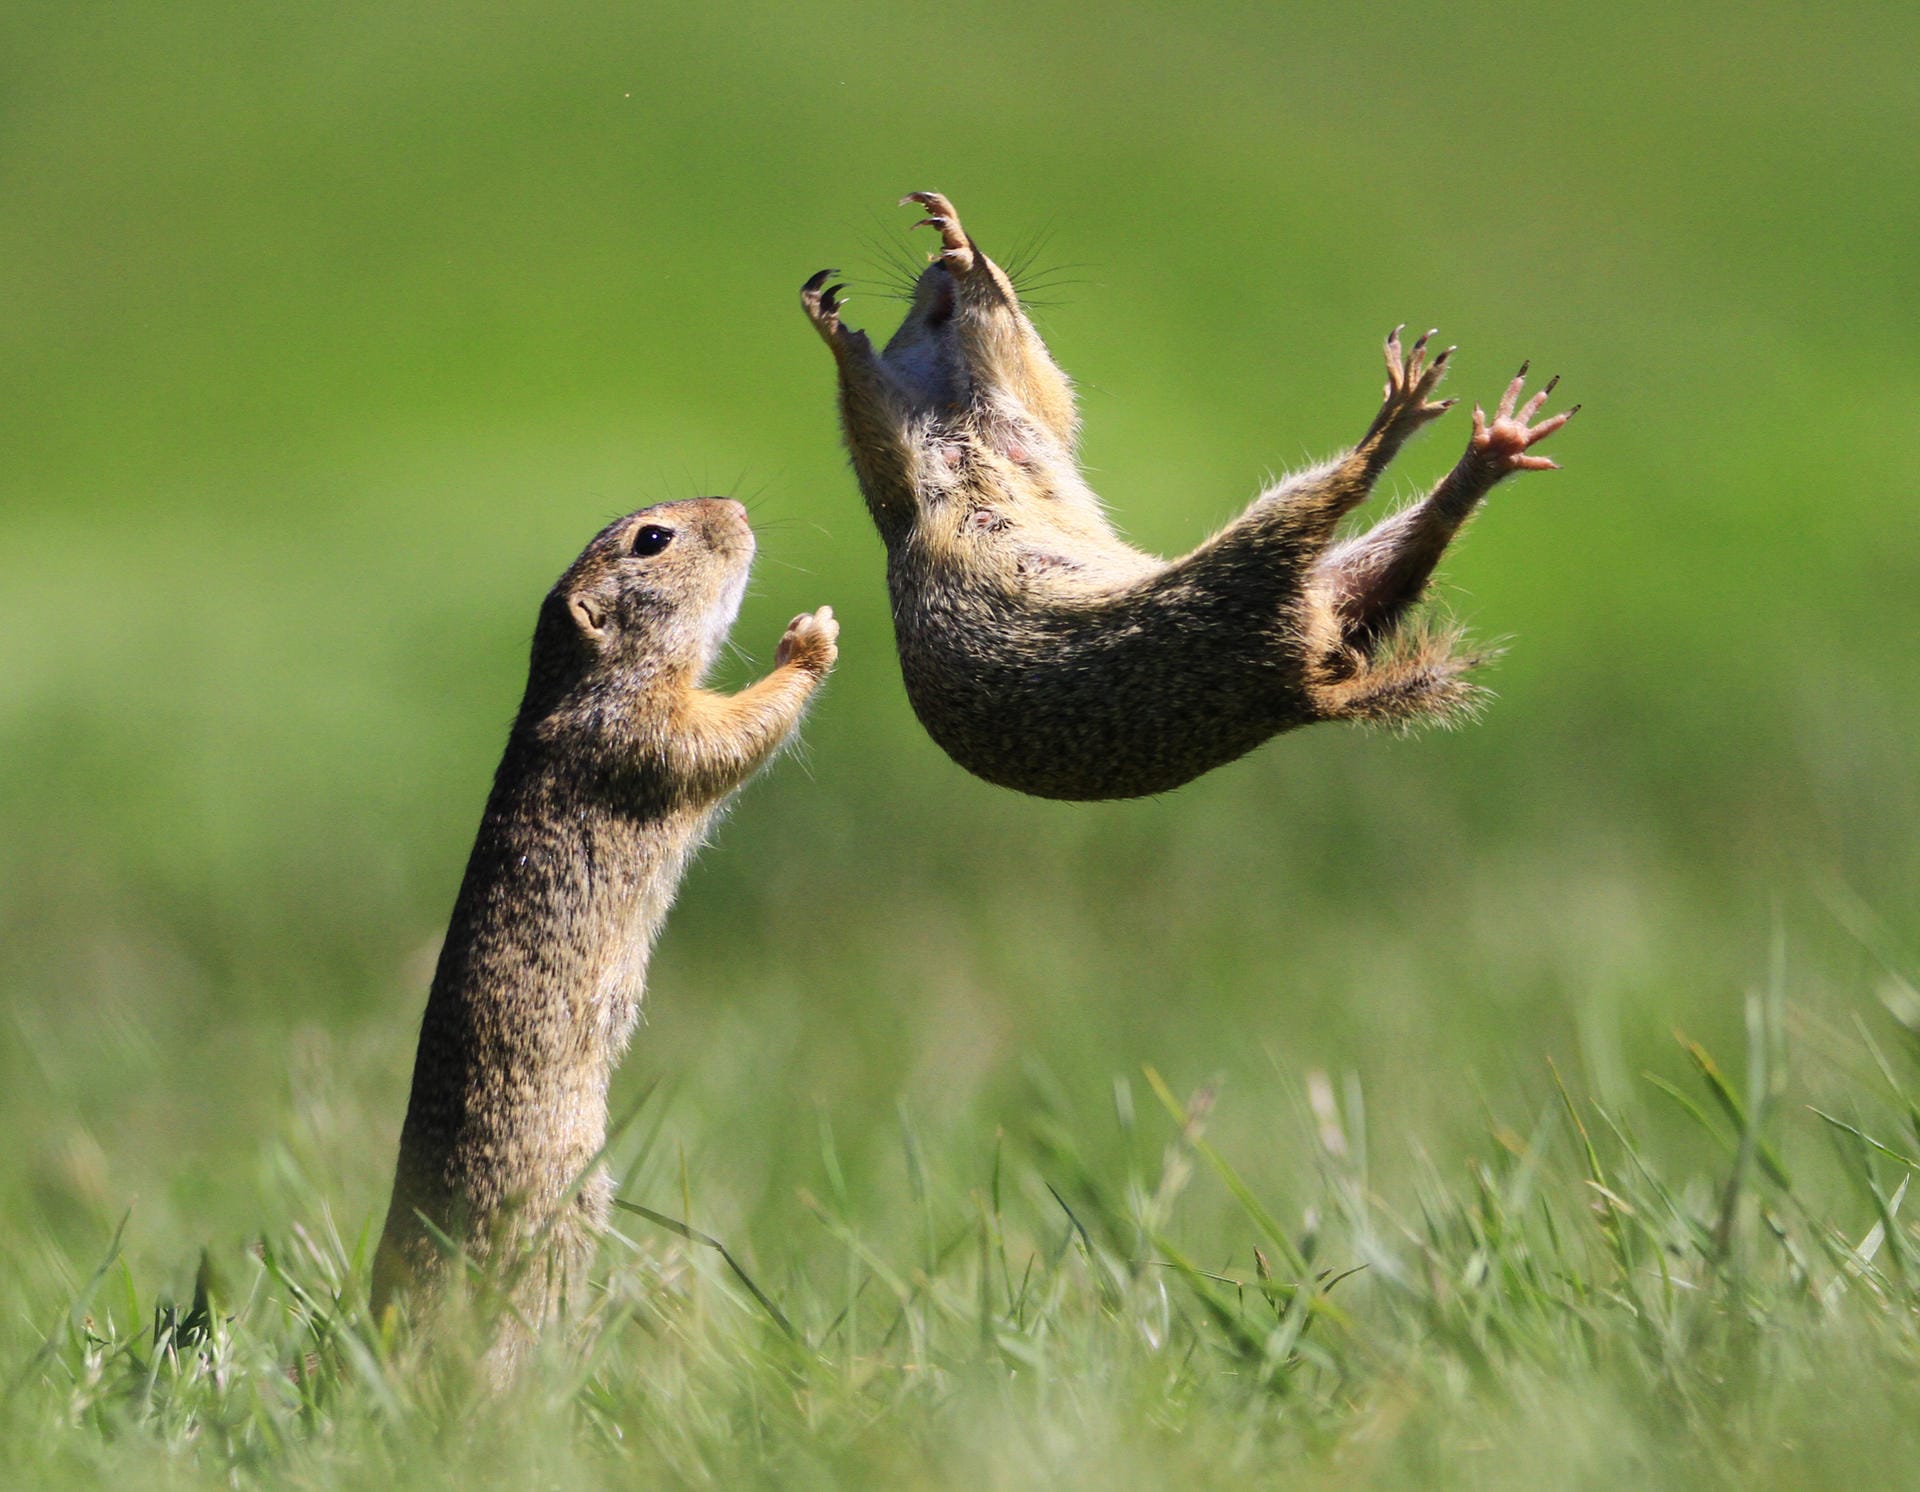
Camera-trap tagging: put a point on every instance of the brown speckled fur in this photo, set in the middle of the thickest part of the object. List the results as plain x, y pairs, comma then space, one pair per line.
613, 770
1046, 654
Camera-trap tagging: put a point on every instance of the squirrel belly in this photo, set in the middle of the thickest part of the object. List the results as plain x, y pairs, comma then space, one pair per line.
1126, 706
1044, 653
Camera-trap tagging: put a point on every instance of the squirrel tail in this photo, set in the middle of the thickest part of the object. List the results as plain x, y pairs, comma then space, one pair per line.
1417, 675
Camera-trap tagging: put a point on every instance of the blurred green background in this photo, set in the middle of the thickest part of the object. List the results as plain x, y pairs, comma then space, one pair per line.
329, 335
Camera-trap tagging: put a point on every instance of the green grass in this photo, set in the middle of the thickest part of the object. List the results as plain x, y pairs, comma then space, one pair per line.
1556, 1306
328, 338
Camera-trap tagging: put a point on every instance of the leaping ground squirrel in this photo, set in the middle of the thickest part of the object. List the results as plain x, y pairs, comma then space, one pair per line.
1043, 652
613, 770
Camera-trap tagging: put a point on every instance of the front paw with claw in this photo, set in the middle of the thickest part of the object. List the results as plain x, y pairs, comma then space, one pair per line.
1500, 448
822, 303
811, 641
956, 249
1405, 406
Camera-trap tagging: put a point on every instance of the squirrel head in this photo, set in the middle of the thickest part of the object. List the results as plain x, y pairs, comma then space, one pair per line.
923, 344
652, 595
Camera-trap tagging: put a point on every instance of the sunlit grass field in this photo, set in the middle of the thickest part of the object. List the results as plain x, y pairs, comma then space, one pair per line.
1527, 1105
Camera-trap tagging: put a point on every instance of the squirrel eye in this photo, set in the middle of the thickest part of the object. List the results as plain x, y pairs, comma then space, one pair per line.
651, 539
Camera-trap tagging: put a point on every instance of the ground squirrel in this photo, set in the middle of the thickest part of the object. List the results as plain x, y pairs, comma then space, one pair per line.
614, 767
1044, 653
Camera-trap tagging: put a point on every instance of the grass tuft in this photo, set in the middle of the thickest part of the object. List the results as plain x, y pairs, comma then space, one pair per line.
1567, 1298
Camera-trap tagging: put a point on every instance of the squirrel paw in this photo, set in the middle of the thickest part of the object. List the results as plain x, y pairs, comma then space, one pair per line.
1502, 445
822, 303
955, 247
1410, 378
810, 641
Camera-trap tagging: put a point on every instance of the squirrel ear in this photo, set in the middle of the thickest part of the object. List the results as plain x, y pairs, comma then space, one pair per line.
589, 614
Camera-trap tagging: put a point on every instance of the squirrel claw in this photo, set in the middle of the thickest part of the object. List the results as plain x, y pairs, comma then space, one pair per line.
822, 303
955, 247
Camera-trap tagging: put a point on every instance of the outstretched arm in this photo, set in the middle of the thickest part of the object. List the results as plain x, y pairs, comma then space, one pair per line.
1311, 503
874, 417
1378, 575
718, 741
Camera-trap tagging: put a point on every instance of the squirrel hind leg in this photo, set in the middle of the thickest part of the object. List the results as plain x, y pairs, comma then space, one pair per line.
1376, 579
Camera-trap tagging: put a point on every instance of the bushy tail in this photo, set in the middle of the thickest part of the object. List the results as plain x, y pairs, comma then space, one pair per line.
1416, 675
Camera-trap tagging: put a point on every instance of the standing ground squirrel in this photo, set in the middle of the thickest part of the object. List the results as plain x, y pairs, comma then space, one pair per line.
616, 764
1044, 653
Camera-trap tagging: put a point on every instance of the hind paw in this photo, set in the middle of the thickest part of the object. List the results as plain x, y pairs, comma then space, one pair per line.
1501, 447
1405, 406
